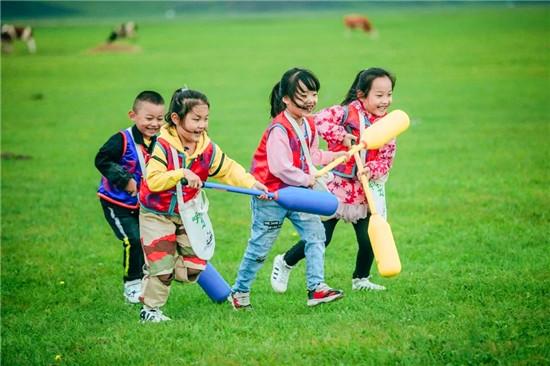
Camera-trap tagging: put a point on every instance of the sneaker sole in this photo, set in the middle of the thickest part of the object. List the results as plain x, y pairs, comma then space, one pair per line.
242, 308
368, 289
154, 320
277, 290
316, 302
142, 321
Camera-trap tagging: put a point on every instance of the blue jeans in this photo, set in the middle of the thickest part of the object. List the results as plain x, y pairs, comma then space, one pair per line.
267, 220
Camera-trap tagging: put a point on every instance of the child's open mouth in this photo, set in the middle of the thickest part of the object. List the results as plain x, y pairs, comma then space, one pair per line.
308, 108
151, 131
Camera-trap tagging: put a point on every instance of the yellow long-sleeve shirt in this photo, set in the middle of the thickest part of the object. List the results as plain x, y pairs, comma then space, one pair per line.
226, 170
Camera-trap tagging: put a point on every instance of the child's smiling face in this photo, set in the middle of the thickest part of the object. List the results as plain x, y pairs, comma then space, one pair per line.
303, 103
194, 123
148, 118
379, 97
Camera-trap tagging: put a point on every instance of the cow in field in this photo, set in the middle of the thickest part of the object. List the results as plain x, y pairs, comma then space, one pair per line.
125, 30
12, 33
356, 21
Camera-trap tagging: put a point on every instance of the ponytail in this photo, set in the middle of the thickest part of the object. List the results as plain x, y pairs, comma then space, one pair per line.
276, 100
352, 92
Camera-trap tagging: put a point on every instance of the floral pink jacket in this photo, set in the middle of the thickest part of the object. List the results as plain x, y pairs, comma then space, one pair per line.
349, 191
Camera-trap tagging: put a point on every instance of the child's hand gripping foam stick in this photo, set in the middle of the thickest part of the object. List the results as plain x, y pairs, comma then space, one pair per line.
383, 244
374, 137
291, 198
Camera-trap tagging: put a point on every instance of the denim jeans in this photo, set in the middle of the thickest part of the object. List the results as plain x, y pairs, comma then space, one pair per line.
267, 220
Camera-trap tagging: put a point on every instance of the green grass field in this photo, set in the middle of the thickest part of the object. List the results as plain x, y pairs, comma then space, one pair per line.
468, 194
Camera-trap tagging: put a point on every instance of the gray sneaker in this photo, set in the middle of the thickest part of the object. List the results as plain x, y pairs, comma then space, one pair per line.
240, 300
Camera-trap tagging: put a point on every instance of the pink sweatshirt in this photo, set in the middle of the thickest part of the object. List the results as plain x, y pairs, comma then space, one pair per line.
279, 158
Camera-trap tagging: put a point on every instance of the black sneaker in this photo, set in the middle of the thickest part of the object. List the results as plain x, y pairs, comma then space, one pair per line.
322, 294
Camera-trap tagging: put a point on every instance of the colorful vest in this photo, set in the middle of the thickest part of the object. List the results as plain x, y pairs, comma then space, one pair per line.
165, 202
351, 123
130, 162
260, 169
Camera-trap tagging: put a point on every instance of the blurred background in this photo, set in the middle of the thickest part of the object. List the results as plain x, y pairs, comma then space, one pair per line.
467, 196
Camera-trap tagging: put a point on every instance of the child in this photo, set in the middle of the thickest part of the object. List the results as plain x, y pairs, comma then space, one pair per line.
367, 100
121, 162
279, 161
183, 142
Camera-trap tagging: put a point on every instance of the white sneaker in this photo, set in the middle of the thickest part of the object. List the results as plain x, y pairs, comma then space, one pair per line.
153, 315
280, 274
132, 291
360, 284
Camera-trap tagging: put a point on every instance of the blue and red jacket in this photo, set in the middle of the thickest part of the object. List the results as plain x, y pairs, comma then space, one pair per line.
129, 161
165, 202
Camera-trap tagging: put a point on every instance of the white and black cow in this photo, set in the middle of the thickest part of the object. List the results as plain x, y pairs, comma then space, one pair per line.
125, 30
12, 33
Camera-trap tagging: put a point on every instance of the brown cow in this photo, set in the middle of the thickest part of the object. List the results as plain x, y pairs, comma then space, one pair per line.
11, 33
356, 21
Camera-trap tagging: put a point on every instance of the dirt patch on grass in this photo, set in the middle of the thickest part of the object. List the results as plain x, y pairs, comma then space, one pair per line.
6, 155
115, 48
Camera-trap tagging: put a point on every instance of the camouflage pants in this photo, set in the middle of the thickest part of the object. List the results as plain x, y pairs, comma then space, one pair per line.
168, 256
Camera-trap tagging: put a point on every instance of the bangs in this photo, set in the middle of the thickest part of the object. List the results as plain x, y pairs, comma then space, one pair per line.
307, 78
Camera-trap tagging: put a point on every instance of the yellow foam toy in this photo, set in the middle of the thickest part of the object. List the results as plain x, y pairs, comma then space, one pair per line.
386, 128
380, 235
374, 137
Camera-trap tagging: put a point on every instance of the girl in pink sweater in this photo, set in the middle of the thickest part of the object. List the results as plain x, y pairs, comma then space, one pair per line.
282, 158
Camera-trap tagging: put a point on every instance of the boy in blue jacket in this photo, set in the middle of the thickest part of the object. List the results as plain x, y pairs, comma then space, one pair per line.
121, 161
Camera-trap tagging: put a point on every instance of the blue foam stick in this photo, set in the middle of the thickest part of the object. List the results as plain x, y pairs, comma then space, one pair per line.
227, 188
291, 198
213, 284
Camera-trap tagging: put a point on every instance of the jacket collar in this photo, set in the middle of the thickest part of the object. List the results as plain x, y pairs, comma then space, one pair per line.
169, 133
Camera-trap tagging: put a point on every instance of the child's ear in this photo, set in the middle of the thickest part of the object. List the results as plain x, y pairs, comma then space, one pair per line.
286, 100
132, 114
360, 94
174, 117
